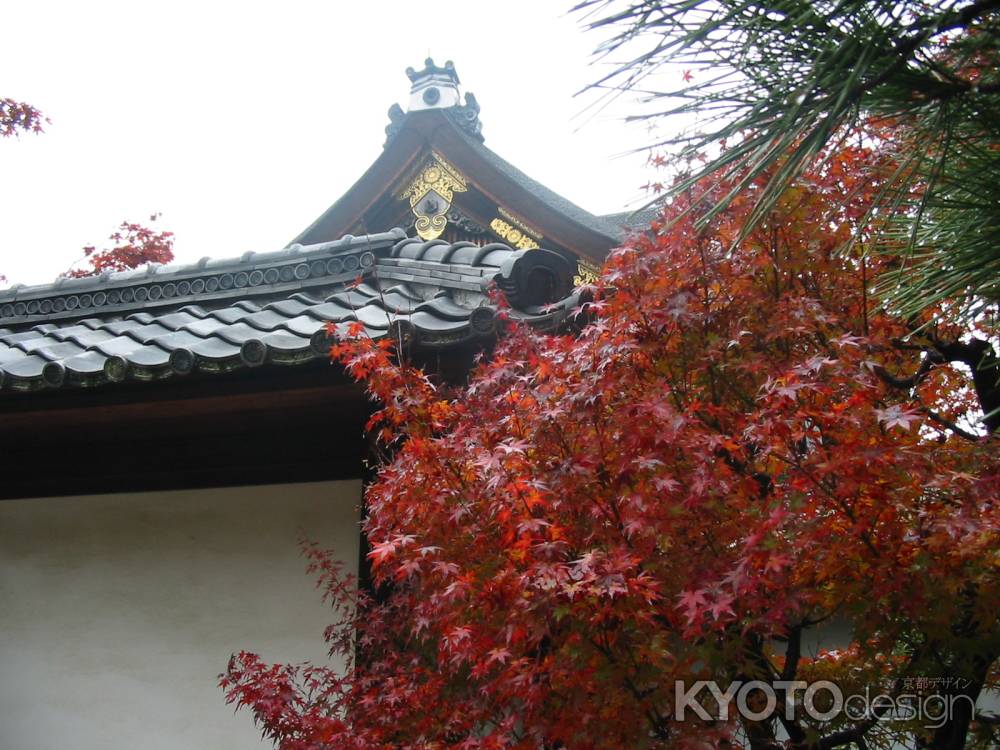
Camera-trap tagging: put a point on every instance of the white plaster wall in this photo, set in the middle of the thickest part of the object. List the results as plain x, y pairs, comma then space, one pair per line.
117, 612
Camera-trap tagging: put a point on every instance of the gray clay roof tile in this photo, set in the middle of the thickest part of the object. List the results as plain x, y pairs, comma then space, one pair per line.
304, 325
216, 316
285, 341
86, 363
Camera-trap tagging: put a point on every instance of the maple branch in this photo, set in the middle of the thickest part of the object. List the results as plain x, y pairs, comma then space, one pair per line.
948, 424
838, 501
658, 722
793, 653
980, 356
855, 735
942, 354
927, 363
951, 735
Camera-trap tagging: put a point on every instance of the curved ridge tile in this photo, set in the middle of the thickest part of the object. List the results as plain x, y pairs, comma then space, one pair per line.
415, 248
289, 307
305, 325
146, 333
214, 349
435, 251
351, 299
54, 351
13, 338
426, 321
375, 316
149, 356
88, 363
444, 307
498, 256
118, 327
64, 333
196, 310
266, 320
29, 366
176, 340
89, 338
455, 247
285, 341
176, 320
405, 290
11, 355
306, 299
119, 346
472, 256
206, 326
237, 333
229, 315
331, 311
398, 303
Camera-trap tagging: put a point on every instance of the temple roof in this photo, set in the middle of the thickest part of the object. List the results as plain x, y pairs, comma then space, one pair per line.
219, 316
236, 346
434, 177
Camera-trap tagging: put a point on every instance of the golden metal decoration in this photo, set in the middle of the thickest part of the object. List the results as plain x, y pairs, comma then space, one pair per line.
514, 231
586, 273
430, 195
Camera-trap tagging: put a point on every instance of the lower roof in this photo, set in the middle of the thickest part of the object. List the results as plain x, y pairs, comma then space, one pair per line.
220, 316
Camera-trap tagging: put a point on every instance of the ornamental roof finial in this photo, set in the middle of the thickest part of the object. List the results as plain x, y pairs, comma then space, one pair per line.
434, 87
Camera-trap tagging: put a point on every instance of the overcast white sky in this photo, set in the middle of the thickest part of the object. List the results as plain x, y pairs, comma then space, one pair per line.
242, 121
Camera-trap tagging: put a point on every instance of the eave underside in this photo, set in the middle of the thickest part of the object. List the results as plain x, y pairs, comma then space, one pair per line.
245, 428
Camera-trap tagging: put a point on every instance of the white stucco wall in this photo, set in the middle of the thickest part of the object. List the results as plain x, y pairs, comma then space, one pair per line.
117, 612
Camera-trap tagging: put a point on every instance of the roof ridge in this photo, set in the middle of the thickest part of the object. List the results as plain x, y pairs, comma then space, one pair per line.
252, 273
251, 259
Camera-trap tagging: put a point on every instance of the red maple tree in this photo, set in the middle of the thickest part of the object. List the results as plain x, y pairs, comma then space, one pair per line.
17, 117
736, 449
135, 245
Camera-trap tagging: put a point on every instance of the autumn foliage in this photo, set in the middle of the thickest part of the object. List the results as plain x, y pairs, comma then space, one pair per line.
736, 448
135, 245
18, 117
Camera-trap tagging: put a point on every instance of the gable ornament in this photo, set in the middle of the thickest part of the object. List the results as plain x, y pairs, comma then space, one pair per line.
430, 194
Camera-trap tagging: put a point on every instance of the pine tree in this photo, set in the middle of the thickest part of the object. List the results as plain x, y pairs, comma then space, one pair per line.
778, 81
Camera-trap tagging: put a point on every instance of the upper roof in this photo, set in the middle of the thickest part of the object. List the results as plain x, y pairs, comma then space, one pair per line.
438, 126
611, 227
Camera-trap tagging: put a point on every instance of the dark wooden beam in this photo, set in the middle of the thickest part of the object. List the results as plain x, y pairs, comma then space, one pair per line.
256, 427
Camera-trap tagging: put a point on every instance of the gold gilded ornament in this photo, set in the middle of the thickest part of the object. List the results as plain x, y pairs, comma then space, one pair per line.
586, 273
430, 195
512, 235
